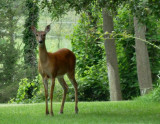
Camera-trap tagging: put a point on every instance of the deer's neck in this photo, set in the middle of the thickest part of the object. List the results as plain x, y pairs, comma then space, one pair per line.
43, 54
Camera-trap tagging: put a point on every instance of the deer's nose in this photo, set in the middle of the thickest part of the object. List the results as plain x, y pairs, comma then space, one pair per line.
40, 41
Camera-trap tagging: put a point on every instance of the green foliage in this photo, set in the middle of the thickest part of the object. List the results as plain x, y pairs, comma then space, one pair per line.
11, 70
156, 94
153, 36
24, 87
91, 69
153, 96
93, 86
8, 59
144, 9
85, 41
29, 39
61, 7
10, 13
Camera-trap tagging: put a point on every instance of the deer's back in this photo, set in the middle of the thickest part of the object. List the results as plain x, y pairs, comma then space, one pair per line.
59, 63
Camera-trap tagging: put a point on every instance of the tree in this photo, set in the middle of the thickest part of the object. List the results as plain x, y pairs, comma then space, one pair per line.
141, 11
30, 58
112, 64
10, 13
142, 58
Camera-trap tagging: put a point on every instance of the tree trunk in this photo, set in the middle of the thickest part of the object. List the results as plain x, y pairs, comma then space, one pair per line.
29, 40
30, 43
111, 56
142, 58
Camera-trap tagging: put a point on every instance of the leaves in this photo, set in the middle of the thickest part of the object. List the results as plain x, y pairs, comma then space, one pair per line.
24, 86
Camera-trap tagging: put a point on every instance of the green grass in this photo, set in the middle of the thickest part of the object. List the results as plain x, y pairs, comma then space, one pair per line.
129, 112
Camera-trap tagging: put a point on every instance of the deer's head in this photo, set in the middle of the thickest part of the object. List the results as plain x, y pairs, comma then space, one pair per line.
40, 35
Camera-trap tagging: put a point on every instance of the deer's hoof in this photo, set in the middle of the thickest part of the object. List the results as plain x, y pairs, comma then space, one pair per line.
76, 110
47, 112
52, 114
61, 112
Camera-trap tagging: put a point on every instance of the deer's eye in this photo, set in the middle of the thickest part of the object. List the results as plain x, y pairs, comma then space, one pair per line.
36, 34
44, 35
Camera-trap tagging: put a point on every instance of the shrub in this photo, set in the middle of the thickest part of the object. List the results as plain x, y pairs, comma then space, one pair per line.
93, 86
156, 92
24, 87
153, 96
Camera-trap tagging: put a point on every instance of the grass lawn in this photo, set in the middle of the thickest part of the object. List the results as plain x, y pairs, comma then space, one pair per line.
129, 112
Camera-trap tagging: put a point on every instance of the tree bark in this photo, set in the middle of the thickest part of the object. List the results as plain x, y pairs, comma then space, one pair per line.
142, 58
111, 57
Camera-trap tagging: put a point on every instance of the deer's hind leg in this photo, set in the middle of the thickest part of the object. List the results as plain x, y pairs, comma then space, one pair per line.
51, 94
71, 77
65, 88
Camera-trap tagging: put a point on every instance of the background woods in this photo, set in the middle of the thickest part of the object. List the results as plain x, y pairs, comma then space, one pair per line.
116, 43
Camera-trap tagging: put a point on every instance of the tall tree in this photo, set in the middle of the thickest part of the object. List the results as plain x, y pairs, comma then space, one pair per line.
142, 10
30, 58
142, 58
10, 13
29, 40
112, 64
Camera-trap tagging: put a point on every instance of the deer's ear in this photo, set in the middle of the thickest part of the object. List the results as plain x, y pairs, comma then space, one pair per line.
33, 29
47, 29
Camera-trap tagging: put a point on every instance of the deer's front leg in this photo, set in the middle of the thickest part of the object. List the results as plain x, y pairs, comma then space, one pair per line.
45, 82
51, 95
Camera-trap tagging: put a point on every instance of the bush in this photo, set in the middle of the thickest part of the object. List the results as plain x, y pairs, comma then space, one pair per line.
94, 86
153, 96
24, 87
156, 92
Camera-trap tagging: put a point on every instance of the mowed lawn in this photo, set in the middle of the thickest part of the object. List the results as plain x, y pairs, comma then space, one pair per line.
129, 112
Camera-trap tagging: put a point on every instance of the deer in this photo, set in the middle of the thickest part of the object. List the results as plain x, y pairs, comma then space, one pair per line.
55, 65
